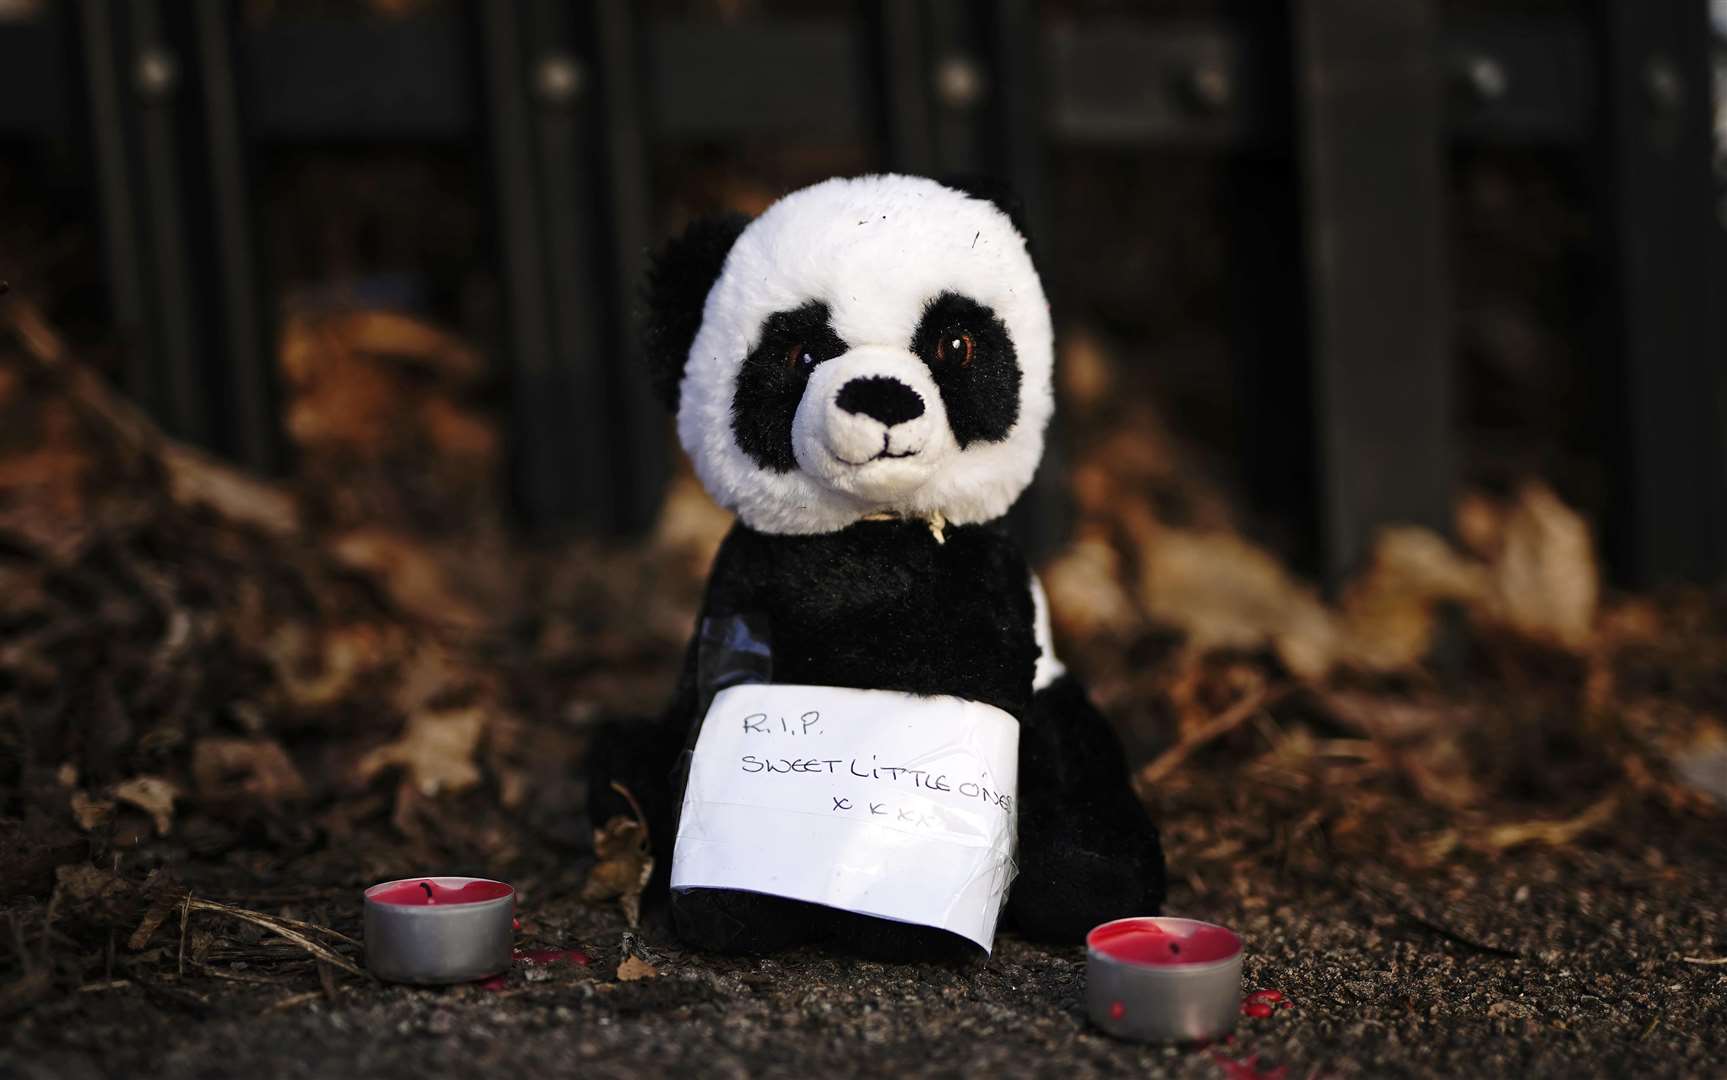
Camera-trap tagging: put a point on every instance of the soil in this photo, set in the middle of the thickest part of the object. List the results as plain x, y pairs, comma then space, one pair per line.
1548, 963
1468, 819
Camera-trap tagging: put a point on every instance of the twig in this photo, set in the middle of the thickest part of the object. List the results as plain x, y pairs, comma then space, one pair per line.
295, 999
217, 973
111, 984
277, 927
1706, 961
1217, 727
300, 924
185, 917
635, 807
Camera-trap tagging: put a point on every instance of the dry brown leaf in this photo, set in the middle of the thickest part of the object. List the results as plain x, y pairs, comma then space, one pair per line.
1701, 763
153, 795
196, 479
690, 522
255, 768
634, 967
165, 904
416, 579
82, 882
1087, 371
1086, 597
397, 337
435, 752
624, 860
90, 813
1387, 614
317, 668
623, 865
1224, 592
1389, 718
1546, 582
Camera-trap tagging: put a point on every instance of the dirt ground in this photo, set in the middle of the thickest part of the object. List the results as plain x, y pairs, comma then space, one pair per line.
1550, 963
1466, 810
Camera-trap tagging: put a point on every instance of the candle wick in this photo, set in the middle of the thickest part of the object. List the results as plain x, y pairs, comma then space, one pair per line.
430, 898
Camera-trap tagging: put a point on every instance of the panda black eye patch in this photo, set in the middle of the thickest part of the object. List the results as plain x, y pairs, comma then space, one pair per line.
971, 355
771, 382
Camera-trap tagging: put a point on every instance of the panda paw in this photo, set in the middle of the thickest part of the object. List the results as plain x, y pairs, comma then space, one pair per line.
734, 921
1065, 888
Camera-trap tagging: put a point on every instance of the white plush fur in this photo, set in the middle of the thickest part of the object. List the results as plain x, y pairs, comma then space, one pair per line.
875, 249
1049, 668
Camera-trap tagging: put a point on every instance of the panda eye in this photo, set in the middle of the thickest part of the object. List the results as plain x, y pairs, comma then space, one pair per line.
954, 346
799, 358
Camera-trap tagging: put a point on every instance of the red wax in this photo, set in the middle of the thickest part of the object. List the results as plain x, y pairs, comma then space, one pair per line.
1258, 1009
1247, 1068
548, 957
1148, 941
426, 892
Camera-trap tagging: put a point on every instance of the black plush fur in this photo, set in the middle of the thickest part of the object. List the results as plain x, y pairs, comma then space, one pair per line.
979, 387
677, 287
881, 398
885, 605
772, 381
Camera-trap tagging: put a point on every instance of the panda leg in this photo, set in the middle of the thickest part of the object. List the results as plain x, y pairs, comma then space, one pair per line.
897, 942
1087, 851
734, 921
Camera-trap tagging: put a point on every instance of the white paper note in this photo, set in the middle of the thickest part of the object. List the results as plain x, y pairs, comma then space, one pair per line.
870, 801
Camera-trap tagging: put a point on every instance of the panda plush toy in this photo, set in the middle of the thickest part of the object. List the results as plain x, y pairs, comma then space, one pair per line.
863, 374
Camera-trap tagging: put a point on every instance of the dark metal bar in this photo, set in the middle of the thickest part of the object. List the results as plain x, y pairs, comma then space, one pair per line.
158, 80
122, 242
537, 420
312, 77
1105, 79
562, 365
964, 81
1202, 83
714, 81
905, 85
641, 433
245, 375
1519, 80
565, 135
32, 90
1368, 93
135, 80
1668, 518
1018, 69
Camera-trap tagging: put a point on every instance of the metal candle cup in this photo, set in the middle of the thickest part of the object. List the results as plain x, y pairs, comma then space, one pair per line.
439, 929
1163, 979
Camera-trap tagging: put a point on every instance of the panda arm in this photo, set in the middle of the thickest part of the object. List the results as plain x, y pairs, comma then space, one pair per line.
1087, 851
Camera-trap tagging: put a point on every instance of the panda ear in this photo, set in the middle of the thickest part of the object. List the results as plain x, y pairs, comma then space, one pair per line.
678, 282
995, 192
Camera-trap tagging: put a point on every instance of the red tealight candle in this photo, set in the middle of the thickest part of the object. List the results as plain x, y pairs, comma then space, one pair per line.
439, 929
1164, 941
424, 892
1164, 979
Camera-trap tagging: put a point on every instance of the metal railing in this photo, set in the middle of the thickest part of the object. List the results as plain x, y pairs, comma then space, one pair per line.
569, 99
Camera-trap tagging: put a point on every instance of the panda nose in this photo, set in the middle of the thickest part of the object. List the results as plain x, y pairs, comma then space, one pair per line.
881, 398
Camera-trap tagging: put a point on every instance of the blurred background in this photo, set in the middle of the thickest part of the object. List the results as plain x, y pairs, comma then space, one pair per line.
1390, 481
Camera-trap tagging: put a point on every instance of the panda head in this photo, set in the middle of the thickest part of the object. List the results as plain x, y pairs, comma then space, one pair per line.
865, 346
